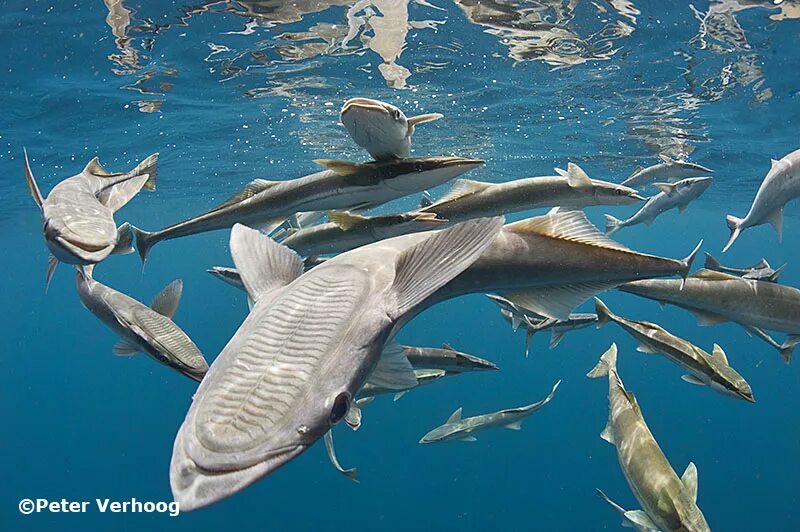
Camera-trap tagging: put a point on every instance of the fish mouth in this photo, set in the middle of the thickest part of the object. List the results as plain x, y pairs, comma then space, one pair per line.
638, 197
450, 162
746, 396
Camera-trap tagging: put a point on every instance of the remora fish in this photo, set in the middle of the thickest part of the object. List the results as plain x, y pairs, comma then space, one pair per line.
716, 297
424, 376
144, 329
348, 231
78, 214
462, 429
571, 189
704, 369
781, 185
669, 170
760, 271
344, 185
558, 328
445, 358
466, 200
673, 195
381, 128
550, 264
307, 347
668, 502
547, 265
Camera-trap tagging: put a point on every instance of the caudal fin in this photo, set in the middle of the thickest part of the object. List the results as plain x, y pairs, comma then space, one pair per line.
787, 348
735, 225
613, 224
149, 166
607, 362
602, 311
144, 241
687, 263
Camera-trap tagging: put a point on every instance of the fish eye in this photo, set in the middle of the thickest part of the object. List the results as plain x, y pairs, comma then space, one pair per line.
340, 407
418, 167
396, 114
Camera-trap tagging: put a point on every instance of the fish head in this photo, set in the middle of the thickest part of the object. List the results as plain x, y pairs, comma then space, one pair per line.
379, 127
729, 382
446, 432
77, 228
697, 185
606, 193
418, 173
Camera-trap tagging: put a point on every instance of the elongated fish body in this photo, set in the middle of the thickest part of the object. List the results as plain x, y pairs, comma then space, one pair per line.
676, 195
78, 214
264, 204
445, 358
760, 271
704, 369
381, 128
572, 190
348, 231
550, 264
716, 297
309, 344
144, 329
457, 428
424, 377
535, 323
668, 502
667, 171
780, 186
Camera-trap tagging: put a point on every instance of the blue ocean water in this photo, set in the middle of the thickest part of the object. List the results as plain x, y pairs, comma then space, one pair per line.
230, 91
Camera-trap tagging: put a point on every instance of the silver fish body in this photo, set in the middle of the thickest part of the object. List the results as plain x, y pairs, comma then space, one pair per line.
381, 128
265, 204
780, 185
676, 195
760, 271
445, 358
457, 428
668, 171
669, 503
142, 328
307, 347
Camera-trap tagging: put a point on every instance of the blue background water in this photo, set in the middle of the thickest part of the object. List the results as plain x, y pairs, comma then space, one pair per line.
225, 97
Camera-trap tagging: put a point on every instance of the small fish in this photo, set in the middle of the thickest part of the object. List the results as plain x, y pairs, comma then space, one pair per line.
445, 358
351, 473
780, 186
716, 297
760, 271
343, 185
668, 502
143, 329
668, 170
673, 195
78, 214
381, 128
634, 521
424, 376
309, 344
457, 428
704, 369
535, 323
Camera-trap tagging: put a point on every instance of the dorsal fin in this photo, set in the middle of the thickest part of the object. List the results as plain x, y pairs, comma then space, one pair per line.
455, 417
250, 189
719, 354
666, 188
565, 225
666, 158
712, 275
166, 302
346, 219
447, 346
636, 170
576, 177
773, 163
343, 168
461, 188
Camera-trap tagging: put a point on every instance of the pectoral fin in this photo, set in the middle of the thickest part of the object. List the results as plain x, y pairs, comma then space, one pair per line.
468, 438
124, 348
705, 318
689, 480
776, 219
691, 379
32, 185
644, 348
250, 189
608, 434
640, 520
421, 119
516, 425
166, 302
52, 264
393, 371
353, 416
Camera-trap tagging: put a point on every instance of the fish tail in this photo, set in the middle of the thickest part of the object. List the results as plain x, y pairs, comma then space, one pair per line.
687, 263
149, 166
602, 311
613, 224
144, 241
712, 263
735, 225
607, 362
787, 348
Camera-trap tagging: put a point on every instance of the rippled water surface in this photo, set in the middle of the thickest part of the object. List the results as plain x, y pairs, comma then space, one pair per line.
230, 91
